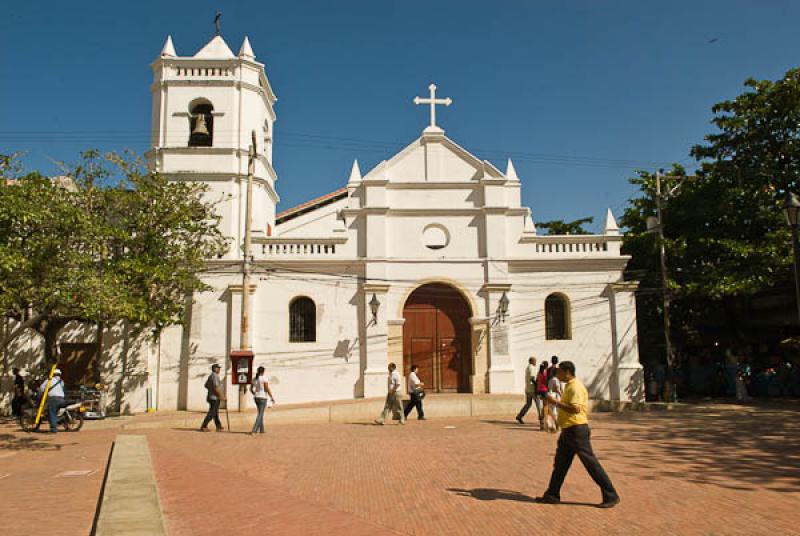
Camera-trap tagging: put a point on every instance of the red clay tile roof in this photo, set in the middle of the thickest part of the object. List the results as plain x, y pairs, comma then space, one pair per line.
310, 205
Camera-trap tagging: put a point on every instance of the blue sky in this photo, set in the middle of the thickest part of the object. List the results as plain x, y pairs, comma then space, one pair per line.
579, 93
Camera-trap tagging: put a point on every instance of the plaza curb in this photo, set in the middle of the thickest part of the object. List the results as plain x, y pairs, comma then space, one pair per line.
365, 410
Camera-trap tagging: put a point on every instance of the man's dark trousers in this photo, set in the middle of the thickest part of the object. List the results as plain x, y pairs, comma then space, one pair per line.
414, 402
577, 440
213, 413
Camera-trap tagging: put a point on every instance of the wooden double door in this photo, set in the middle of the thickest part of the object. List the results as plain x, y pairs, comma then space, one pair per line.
436, 338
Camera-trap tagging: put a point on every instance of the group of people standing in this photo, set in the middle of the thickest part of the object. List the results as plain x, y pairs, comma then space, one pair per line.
538, 385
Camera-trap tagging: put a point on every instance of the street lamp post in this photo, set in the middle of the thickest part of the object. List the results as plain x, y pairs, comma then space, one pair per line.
791, 209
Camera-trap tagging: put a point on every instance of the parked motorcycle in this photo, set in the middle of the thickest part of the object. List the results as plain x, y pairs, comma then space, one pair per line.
70, 417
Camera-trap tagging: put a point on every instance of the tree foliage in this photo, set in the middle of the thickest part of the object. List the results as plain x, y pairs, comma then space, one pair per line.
560, 227
112, 242
725, 236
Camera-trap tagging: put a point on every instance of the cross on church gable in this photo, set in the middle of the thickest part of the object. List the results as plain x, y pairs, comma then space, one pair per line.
433, 101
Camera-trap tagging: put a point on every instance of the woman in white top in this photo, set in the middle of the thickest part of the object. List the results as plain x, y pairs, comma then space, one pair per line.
554, 390
416, 393
263, 398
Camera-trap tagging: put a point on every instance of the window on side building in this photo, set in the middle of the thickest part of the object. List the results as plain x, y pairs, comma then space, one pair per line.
557, 317
302, 320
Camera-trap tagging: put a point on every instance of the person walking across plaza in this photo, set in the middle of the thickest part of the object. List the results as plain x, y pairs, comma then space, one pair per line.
393, 404
55, 398
19, 393
214, 398
575, 439
263, 398
530, 392
416, 392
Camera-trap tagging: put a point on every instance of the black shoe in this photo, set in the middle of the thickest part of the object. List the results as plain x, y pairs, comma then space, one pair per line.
422, 418
609, 504
519, 420
547, 499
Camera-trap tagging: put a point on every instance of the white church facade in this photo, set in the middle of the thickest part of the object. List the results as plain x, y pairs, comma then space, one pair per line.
428, 258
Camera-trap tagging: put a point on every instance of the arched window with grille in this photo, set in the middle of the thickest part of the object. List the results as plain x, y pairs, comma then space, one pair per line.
302, 320
557, 317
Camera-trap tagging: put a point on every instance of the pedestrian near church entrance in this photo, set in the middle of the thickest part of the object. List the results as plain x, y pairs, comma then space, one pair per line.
214, 398
552, 372
575, 439
393, 404
530, 392
55, 398
263, 398
416, 392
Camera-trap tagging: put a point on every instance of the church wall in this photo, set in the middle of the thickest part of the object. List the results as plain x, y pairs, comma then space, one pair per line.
123, 366
327, 369
463, 197
405, 236
590, 345
314, 224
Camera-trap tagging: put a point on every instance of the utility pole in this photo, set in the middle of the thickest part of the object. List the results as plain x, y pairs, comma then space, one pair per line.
664, 284
244, 339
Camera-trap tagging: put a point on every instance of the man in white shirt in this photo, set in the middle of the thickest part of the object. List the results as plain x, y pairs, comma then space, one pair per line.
530, 393
393, 404
55, 398
416, 393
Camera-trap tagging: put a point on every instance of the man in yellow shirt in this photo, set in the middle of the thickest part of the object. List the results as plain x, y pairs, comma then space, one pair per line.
575, 439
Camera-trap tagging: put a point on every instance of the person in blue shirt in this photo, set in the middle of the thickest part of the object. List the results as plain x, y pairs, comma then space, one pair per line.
55, 398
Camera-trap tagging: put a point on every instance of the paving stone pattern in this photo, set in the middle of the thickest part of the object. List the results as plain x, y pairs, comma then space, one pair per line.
720, 470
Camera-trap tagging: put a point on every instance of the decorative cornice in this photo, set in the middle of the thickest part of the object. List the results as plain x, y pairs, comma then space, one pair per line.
380, 288
496, 287
237, 289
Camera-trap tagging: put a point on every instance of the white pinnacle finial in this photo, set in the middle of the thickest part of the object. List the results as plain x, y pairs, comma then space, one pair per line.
611, 227
246, 51
433, 101
355, 173
169, 48
511, 173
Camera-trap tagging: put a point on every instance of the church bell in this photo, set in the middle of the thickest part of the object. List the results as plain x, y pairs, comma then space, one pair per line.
200, 135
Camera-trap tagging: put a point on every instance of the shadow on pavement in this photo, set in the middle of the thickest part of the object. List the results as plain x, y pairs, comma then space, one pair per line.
743, 448
27, 442
492, 494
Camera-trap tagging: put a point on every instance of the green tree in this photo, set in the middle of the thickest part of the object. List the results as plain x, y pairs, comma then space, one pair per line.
112, 243
724, 232
560, 227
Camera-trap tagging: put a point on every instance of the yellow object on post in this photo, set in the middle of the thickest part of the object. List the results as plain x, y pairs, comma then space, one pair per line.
44, 395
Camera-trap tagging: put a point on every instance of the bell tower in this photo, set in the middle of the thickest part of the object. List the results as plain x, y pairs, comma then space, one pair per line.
205, 108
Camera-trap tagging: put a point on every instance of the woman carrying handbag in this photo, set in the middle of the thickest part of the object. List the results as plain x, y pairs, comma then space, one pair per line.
263, 399
416, 392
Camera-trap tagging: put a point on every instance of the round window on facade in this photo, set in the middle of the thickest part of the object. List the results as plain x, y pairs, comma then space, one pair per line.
435, 236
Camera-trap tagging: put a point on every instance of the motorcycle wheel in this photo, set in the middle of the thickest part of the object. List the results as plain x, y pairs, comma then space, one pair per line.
73, 423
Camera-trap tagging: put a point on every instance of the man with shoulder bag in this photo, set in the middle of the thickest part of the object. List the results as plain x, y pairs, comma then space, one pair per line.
417, 392
214, 398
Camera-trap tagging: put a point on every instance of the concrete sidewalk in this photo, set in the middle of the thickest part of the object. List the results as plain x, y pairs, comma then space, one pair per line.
130, 504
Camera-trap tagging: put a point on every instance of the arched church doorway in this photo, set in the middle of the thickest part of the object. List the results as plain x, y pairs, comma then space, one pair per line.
436, 338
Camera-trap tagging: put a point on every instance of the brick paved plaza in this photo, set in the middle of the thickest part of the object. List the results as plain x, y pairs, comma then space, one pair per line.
713, 470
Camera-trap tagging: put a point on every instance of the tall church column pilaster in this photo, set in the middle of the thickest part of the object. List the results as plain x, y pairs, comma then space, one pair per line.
479, 379
501, 370
376, 340
626, 382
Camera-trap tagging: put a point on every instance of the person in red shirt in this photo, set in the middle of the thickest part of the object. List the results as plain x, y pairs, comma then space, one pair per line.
541, 389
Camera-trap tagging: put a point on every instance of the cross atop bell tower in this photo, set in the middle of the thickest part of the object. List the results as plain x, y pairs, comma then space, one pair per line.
433, 101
